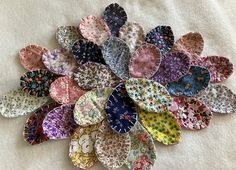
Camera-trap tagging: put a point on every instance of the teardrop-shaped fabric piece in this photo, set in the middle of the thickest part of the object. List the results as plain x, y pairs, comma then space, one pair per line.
220, 68
162, 37
95, 75
148, 95
31, 57
142, 153
37, 82
196, 80
90, 108
192, 113
33, 131
82, 153
133, 34
218, 98
60, 62
18, 103
85, 51
145, 61
120, 109
66, 36
59, 123
65, 90
94, 29
173, 66
117, 55
163, 126
115, 17
112, 149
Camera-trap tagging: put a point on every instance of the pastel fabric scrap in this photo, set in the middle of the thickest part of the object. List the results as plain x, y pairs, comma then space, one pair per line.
18, 103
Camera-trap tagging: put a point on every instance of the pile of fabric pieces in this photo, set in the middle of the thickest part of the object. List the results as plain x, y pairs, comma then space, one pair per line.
114, 90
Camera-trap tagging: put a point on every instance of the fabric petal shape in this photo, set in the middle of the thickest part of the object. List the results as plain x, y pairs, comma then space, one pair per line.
162, 37
18, 103
31, 57
60, 62
145, 61
220, 68
95, 75
66, 36
94, 29
112, 149
192, 113
117, 55
37, 82
90, 108
82, 153
148, 95
33, 130
120, 109
218, 98
142, 153
173, 66
65, 90
163, 126
59, 123
115, 17
196, 80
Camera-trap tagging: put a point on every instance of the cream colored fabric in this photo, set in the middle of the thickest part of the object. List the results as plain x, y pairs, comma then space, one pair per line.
35, 21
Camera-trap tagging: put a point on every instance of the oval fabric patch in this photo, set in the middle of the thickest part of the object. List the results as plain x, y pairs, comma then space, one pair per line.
31, 57
117, 55
145, 61
65, 90
90, 108
94, 29
120, 109
173, 66
82, 153
220, 68
18, 103
218, 98
112, 149
115, 17
59, 123
37, 82
60, 62
148, 95
133, 34
196, 80
162, 37
142, 153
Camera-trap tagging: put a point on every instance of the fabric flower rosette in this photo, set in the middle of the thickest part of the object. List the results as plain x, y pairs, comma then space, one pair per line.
113, 90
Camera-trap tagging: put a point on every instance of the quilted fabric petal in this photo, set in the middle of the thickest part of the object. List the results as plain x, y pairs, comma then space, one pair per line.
115, 17
162, 37
220, 68
82, 151
94, 29
218, 98
196, 80
148, 95
90, 108
18, 103
173, 66
120, 109
94, 75
59, 123
117, 55
145, 61
31, 57
65, 90
142, 153
37, 82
